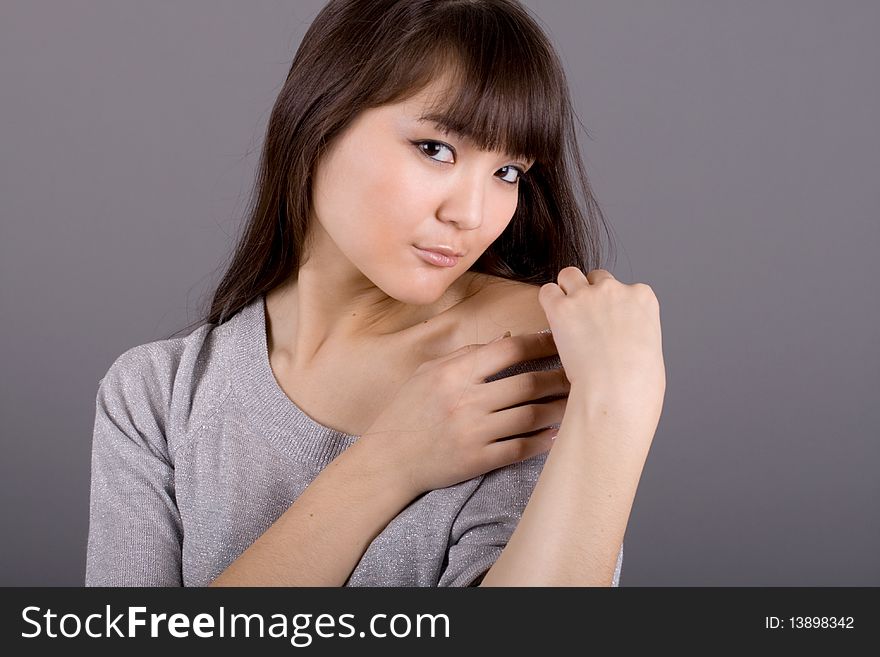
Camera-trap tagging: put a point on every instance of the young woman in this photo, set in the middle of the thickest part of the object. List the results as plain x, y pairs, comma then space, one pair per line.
343, 416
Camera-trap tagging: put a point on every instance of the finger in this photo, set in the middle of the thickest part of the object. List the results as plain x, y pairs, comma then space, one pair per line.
524, 419
494, 357
549, 292
570, 279
597, 275
468, 348
513, 450
524, 387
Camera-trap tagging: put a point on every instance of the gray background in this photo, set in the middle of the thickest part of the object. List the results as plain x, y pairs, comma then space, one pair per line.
734, 148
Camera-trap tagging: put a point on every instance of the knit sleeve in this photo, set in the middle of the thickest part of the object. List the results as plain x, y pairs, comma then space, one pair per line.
135, 530
616, 579
487, 520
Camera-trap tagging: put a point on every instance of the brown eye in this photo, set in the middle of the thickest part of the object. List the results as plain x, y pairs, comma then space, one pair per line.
431, 146
427, 146
519, 174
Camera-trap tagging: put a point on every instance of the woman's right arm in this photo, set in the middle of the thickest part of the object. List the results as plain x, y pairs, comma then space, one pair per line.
321, 538
135, 528
440, 429
423, 440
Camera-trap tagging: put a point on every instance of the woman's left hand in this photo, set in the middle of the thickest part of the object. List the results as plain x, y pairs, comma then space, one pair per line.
609, 340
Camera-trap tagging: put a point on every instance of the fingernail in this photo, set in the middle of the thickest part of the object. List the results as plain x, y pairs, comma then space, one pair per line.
501, 337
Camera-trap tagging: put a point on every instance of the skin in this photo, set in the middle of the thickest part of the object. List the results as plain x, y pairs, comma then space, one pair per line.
376, 194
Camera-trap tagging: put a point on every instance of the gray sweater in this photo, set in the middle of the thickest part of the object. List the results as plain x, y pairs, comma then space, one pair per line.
197, 451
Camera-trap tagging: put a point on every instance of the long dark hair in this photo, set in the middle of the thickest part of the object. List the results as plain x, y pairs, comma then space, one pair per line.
512, 95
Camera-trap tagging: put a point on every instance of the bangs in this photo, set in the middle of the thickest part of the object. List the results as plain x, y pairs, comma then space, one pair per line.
509, 114
501, 91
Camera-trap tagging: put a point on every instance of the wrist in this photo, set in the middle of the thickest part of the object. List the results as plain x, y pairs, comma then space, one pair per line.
378, 459
625, 415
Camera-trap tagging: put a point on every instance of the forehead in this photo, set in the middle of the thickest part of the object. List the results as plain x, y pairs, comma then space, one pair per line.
427, 105
428, 108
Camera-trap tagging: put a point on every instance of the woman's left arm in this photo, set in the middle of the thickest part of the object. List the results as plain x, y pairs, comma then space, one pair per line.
609, 342
573, 526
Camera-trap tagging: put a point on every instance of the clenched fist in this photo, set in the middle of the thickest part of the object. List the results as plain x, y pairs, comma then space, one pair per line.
609, 341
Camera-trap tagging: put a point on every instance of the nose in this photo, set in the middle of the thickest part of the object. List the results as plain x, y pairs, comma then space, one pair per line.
464, 200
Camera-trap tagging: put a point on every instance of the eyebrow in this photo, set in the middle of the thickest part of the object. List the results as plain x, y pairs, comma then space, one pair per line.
440, 122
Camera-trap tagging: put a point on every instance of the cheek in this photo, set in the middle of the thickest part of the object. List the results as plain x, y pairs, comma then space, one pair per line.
499, 215
390, 201
391, 182
366, 207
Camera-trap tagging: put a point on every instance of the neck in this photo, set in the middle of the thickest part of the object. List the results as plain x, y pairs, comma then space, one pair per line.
307, 322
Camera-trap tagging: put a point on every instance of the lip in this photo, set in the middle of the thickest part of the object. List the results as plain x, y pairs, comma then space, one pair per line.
443, 250
436, 257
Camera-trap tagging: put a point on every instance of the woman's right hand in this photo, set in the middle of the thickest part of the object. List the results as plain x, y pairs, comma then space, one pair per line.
447, 424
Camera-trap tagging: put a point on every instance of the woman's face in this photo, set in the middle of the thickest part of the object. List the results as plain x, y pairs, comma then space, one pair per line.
390, 183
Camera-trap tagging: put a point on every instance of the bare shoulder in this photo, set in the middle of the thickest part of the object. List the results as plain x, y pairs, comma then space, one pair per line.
510, 306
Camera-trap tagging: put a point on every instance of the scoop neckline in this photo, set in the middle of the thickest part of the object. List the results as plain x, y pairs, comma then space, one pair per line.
284, 424
277, 417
